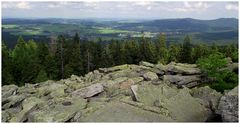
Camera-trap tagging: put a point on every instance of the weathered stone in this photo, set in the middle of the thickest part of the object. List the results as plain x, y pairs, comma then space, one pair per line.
12, 101
121, 112
147, 64
126, 84
53, 89
89, 91
228, 106
8, 90
184, 108
59, 112
115, 68
5, 116
183, 69
29, 105
150, 76
161, 68
210, 96
157, 82
182, 80
180, 104
137, 79
134, 89
75, 78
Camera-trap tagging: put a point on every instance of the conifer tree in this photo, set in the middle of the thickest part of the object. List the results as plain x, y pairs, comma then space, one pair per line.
186, 52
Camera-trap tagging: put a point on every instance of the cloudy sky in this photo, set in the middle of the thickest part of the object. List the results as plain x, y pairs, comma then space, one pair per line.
121, 9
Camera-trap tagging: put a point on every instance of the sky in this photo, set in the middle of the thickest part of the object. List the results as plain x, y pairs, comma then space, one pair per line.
120, 9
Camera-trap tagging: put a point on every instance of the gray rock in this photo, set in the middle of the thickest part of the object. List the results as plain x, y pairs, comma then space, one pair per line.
12, 101
58, 112
115, 68
228, 106
5, 116
89, 91
134, 89
8, 90
150, 76
210, 96
75, 78
29, 105
121, 112
180, 105
180, 81
147, 64
183, 69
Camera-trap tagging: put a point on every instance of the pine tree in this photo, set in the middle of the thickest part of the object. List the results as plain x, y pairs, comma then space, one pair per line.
174, 51
25, 61
60, 55
186, 52
7, 77
161, 49
146, 50
75, 62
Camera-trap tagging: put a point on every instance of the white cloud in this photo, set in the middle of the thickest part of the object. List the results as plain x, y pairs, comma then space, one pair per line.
23, 5
231, 7
54, 6
191, 6
149, 8
8, 5
142, 3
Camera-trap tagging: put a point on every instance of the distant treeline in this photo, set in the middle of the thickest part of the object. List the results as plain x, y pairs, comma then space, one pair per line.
32, 62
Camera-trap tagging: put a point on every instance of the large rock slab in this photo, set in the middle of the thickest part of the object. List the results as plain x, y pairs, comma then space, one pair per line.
52, 89
178, 102
147, 64
88, 91
115, 68
29, 105
8, 90
12, 101
62, 111
187, 69
210, 96
228, 106
180, 81
121, 112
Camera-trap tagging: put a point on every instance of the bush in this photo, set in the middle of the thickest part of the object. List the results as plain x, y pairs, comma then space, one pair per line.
224, 79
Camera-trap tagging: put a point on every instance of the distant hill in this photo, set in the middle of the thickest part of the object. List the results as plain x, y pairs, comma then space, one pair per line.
183, 25
221, 31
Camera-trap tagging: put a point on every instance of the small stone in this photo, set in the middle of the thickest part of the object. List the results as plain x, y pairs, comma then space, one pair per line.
66, 103
150, 76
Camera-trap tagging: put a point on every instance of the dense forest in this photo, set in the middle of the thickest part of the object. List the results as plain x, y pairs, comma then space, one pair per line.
32, 62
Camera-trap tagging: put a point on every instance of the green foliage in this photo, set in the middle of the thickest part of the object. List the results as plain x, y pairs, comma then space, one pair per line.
7, 77
25, 61
174, 51
147, 50
41, 77
186, 51
161, 49
31, 62
212, 65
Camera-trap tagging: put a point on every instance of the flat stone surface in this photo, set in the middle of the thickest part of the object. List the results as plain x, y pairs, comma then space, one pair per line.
121, 112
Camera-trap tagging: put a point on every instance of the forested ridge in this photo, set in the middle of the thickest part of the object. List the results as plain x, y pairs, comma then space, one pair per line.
34, 62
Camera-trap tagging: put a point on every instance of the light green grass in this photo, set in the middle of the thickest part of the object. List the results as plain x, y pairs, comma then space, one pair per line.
110, 30
10, 26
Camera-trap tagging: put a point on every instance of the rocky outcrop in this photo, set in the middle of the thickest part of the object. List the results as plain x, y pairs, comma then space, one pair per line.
125, 93
228, 106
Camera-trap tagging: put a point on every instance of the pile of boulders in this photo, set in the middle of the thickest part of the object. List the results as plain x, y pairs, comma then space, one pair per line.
125, 93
